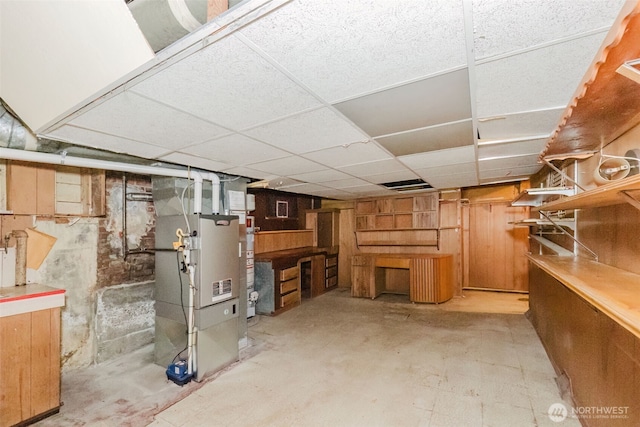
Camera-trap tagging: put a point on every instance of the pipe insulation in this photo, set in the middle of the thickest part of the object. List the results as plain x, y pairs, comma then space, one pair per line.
80, 162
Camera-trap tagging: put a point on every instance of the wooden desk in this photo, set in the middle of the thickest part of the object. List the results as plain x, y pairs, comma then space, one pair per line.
430, 275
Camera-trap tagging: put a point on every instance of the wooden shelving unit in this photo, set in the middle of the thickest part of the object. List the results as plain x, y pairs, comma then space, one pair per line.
537, 196
614, 193
398, 221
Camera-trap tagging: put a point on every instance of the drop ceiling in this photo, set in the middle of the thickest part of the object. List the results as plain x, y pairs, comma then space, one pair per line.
333, 98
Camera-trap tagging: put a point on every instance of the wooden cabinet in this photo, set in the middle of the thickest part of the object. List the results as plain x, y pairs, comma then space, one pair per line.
289, 286
398, 221
593, 342
325, 224
284, 278
331, 271
29, 366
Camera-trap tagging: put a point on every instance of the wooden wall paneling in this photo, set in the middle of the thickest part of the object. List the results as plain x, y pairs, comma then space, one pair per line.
46, 190
21, 188
465, 245
269, 241
347, 247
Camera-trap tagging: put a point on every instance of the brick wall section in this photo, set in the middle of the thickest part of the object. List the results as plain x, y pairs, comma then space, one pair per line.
113, 269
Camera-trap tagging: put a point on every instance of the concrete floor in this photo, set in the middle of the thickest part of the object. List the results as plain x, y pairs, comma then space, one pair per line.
341, 361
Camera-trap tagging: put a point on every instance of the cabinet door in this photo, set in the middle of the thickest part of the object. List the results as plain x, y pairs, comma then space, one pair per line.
497, 249
362, 277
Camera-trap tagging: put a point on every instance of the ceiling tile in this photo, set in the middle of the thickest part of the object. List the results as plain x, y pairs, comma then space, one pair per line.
373, 168
509, 173
432, 138
441, 99
236, 150
451, 156
392, 177
517, 125
444, 170
331, 193
454, 181
344, 156
133, 117
506, 25
344, 48
507, 162
534, 80
309, 131
248, 172
346, 183
89, 138
518, 148
321, 176
287, 166
195, 161
228, 84
369, 190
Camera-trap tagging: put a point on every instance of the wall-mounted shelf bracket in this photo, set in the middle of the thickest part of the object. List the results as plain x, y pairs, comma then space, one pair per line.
563, 174
593, 254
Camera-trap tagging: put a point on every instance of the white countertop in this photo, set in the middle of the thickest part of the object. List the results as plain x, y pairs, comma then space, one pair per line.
32, 297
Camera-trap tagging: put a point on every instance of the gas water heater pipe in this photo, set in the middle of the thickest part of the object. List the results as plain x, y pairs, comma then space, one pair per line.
63, 159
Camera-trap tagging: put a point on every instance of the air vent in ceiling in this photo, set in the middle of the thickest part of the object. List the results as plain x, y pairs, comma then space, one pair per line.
407, 185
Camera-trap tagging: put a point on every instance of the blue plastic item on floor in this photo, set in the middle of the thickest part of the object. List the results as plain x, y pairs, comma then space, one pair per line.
177, 372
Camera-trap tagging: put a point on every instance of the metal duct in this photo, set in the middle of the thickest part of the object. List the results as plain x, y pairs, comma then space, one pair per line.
13, 134
164, 21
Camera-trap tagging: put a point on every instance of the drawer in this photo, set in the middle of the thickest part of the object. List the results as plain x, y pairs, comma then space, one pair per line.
329, 262
288, 286
331, 271
290, 298
331, 281
288, 273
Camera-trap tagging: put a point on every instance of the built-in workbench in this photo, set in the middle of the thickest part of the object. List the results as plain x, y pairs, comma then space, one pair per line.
29, 353
283, 278
587, 315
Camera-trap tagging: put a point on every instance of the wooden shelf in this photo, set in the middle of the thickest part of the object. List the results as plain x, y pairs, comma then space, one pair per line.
611, 290
533, 222
557, 249
398, 243
375, 230
537, 196
606, 195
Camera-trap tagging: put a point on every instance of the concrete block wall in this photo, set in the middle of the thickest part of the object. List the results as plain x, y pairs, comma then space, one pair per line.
124, 319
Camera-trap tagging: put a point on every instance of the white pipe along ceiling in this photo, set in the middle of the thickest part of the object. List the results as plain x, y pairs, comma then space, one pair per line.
62, 159
328, 98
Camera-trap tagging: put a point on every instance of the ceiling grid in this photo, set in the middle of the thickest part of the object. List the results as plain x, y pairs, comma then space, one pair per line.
335, 98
